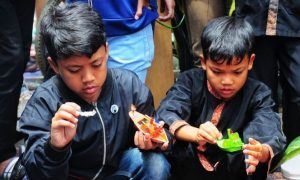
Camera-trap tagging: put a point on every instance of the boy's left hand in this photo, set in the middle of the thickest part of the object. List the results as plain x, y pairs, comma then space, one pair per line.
143, 141
256, 153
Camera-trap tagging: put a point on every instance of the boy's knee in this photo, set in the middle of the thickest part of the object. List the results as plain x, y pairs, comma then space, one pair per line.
146, 164
156, 165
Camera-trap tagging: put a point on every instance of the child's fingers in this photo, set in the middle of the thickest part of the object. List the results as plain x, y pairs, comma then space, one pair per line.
66, 116
139, 140
254, 148
214, 132
136, 138
252, 161
164, 146
148, 143
206, 136
74, 105
253, 141
210, 132
255, 154
63, 123
71, 108
161, 124
250, 170
139, 9
143, 141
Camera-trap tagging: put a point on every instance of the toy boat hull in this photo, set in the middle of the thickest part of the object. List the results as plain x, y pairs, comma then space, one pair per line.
148, 125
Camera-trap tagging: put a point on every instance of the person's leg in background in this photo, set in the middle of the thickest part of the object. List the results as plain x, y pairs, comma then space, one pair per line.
198, 14
136, 164
290, 79
265, 66
25, 14
134, 52
16, 19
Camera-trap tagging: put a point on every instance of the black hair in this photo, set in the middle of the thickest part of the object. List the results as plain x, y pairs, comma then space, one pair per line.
72, 30
227, 37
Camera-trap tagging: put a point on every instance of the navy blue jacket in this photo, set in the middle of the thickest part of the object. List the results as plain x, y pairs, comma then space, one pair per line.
83, 157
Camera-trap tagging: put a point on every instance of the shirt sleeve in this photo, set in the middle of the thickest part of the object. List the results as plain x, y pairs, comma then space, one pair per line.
265, 125
175, 109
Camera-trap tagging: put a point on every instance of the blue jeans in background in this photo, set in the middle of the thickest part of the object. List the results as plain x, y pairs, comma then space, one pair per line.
134, 52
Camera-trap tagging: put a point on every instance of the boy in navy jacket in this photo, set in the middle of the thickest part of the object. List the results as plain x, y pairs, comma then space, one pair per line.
77, 123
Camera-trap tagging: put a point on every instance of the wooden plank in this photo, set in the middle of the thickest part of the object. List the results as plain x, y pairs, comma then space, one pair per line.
160, 75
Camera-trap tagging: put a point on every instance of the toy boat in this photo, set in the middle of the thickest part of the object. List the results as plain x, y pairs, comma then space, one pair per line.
232, 144
148, 125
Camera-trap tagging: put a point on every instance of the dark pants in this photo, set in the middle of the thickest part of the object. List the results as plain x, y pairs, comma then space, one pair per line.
16, 19
230, 167
278, 60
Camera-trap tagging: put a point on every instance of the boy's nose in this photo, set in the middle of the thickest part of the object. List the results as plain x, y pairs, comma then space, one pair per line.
226, 81
87, 77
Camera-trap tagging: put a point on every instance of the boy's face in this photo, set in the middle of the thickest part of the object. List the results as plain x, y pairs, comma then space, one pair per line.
84, 76
226, 80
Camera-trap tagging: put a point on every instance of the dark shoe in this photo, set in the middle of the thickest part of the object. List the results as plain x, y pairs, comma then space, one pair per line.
9, 168
14, 170
18, 172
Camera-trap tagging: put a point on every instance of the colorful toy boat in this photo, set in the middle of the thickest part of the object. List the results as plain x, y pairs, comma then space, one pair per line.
148, 125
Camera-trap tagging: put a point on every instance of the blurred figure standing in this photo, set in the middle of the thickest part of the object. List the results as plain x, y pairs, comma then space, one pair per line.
276, 24
129, 30
16, 20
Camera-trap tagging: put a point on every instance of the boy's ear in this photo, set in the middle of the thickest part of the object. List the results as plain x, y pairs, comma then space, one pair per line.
203, 62
251, 60
53, 65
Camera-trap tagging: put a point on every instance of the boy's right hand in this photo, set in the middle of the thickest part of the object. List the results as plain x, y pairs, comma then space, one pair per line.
64, 125
208, 133
139, 9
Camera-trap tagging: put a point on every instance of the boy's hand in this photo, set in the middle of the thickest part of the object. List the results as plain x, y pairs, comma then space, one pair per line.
256, 153
170, 4
208, 133
143, 141
64, 125
139, 9
169, 11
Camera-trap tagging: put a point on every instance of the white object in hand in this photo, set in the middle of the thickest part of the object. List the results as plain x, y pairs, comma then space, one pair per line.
87, 113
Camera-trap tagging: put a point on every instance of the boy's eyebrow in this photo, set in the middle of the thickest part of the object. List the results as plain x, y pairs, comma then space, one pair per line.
73, 65
97, 59
239, 68
215, 68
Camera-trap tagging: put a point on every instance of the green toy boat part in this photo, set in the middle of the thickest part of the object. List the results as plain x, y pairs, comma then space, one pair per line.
232, 144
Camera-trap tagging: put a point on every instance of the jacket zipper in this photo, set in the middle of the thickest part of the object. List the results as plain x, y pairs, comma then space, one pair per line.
104, 141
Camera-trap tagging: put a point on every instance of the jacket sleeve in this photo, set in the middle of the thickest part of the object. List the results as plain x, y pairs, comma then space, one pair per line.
265, 125
177, 104
40, 159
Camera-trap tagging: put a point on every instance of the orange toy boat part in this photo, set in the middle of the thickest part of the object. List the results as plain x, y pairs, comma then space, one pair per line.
148, 125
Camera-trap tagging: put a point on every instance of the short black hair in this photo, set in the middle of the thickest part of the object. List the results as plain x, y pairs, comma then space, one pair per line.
72, 30
227, 37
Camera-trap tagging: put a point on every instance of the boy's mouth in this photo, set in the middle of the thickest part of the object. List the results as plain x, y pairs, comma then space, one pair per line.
90, 89
226, 92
